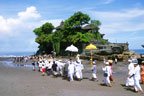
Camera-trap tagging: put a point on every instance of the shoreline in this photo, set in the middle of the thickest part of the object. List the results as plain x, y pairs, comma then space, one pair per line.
22, 81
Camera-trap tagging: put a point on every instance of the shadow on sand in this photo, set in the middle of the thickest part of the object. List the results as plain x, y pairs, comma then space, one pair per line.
130, 88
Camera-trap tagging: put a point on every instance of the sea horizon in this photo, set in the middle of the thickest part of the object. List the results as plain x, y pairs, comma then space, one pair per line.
20, 53
28, 53
138, 51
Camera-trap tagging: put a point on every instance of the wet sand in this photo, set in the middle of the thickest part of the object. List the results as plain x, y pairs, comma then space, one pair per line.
22, 81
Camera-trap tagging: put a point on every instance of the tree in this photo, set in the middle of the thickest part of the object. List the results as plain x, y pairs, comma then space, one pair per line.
95, 24
69, 32
44, 37
56, 40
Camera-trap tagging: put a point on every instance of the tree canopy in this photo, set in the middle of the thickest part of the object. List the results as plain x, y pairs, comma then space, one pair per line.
69, 32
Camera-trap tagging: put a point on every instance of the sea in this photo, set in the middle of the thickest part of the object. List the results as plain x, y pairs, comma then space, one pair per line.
138, 51
12, 54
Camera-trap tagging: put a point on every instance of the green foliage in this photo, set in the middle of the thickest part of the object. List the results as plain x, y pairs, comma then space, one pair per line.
75, 22
44, 36
38, 31
79, 37
71, 33
47, 28
56, 40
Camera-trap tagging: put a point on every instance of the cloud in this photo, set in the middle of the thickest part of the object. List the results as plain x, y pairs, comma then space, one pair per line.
55, 22
123, 21
126, 25
108, 1
29, 13
118, 16
13, 26
17, 31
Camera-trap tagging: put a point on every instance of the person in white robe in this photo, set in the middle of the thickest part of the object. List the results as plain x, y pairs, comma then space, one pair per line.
71, 70
94, 71
60, 66
107, 72
49, 64
130, 81
136, 76
78, 70
40, 62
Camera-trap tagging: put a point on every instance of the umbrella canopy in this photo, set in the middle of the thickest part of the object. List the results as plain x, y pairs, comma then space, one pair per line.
71, 48
91, 47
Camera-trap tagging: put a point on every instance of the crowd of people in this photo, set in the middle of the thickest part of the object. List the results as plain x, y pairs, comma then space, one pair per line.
72, 69
69, 69
135, 75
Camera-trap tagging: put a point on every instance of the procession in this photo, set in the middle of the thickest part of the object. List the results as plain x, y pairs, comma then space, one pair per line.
72, 69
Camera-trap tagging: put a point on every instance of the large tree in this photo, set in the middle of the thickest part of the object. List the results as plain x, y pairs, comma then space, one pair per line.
69, 32
44, 37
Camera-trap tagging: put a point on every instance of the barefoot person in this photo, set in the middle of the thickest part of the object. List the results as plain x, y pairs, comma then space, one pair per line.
71, 70
130, 81
94, 72
136, 76
111, 66
78, 70
107, 72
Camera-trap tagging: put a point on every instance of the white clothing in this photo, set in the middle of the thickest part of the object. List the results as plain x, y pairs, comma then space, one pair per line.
130, 81
94, 75
137, 78
78, 70
94, 71
49, 64
107, 69
130, 68
71, 70
60, 67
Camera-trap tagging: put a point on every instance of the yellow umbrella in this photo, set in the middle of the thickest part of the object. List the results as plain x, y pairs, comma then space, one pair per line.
91, 47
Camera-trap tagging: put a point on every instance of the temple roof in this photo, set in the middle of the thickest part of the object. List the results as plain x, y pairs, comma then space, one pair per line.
88, 27
60, 26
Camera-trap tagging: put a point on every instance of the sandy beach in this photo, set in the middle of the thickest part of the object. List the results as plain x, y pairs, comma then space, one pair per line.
22, 81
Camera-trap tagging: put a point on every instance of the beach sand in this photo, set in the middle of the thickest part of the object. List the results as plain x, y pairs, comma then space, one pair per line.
22, 81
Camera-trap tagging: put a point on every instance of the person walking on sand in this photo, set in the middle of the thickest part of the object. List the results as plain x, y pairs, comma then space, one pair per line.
78, 70
142, 72
94, 71
136, 76
43, 69
115, 60
107, 72
111, 67
71, 70
130, 81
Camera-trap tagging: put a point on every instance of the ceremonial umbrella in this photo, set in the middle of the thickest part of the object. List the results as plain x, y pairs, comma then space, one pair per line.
91, 47
71, 48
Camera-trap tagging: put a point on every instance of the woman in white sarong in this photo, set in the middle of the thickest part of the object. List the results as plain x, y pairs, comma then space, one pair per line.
130, 81
78, 70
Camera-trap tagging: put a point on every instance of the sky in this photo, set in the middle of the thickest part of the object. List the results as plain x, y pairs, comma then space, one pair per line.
122, 20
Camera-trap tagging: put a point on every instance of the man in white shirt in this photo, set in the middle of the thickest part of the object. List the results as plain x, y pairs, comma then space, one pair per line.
136, 76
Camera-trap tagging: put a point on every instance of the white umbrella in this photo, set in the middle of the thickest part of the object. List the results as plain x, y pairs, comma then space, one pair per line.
71, 48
